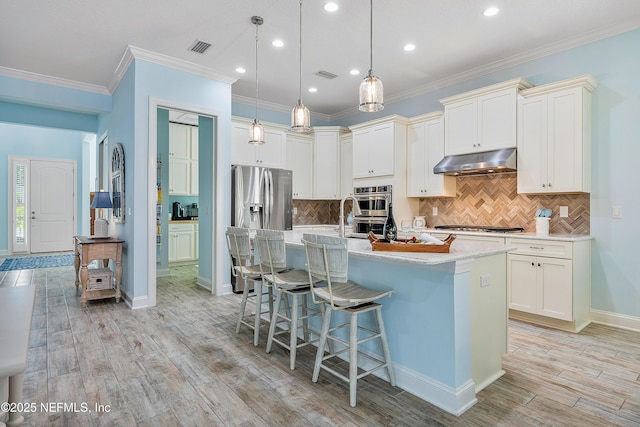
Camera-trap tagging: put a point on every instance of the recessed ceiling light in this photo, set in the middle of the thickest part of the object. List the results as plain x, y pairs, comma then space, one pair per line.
331, 6
354, 72
313, 89
409, 47
240, 70
277, 43
491, 11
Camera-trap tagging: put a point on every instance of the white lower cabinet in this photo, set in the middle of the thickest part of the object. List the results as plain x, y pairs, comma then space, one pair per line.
549, 282
183, 242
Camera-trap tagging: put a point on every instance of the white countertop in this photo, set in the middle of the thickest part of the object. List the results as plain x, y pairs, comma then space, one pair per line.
362, 248
553, 236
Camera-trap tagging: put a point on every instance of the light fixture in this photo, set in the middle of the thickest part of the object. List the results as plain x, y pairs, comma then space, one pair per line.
101, 200
331, 6
491, 11
277, 43
354, 72
300, 116
256, 131
313, 89
371, 91
240, 70
409, 47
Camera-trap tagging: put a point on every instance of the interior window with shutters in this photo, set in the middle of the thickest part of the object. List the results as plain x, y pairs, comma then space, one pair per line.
19, 205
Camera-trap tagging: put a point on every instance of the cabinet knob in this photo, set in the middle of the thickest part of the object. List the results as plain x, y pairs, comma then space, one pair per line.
543, 185
549, 185
533, 264
538, 264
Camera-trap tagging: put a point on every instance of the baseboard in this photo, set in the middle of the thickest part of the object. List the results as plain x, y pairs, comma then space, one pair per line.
135, 302
162, 272
227, 289
204, 283
617, 320
4, 252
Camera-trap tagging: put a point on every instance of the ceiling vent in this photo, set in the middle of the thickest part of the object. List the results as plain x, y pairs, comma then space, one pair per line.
326, 75
199, 46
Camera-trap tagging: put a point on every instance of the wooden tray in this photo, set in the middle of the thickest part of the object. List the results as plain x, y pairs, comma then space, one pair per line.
403, 246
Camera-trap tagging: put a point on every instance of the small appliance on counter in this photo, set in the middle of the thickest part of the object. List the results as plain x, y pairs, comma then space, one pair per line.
177, 211
194, 211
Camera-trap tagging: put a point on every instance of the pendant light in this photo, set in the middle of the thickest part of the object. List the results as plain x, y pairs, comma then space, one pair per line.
256, 131
371, 92
300, 116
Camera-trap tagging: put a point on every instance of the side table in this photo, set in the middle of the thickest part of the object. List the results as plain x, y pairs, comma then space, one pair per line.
89, 248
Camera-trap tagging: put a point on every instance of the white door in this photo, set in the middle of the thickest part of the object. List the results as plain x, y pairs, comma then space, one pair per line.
52, 202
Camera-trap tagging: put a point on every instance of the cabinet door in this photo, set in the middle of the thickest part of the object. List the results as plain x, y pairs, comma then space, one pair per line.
565, 154
242, 153
362, 140
416, 158
436, 184
381, 152
532, 145
272, 153
522, 280
461, 127
300, 161
193, 189
326, 159
555, 292
194, 142
497, 120
179, 141
179, 177
196, 242
346, 165
183, 241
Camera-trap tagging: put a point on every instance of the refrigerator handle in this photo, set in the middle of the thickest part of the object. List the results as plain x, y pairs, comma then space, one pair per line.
268, 198
239, 198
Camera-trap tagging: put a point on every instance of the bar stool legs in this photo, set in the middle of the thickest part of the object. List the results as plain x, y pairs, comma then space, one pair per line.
352, 347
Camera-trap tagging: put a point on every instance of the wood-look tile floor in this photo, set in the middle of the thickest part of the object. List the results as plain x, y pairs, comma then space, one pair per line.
182, 364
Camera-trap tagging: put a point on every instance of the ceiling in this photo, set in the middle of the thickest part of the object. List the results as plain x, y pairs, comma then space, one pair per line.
84, 41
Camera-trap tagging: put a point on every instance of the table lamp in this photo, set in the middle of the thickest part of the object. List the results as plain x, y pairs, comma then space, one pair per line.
101, 200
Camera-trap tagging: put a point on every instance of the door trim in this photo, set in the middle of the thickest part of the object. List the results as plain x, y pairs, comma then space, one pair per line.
217, 185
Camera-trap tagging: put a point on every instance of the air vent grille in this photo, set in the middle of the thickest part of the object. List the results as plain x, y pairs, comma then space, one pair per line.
199, 46
326, 74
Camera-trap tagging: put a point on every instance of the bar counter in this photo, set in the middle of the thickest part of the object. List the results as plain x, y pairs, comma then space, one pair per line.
446, 322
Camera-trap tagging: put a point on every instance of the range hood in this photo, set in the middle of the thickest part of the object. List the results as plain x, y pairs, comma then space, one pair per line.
483, 163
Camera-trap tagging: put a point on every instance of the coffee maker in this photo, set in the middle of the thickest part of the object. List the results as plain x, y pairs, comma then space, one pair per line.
177, 210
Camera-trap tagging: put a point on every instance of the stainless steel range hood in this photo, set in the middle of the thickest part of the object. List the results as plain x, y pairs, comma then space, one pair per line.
486, 162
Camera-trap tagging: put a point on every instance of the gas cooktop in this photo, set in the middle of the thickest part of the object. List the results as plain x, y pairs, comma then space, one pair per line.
486, 228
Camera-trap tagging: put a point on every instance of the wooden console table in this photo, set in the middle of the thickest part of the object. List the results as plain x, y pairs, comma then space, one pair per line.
88, 249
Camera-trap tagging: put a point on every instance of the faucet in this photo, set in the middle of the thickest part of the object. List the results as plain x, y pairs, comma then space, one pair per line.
356, 212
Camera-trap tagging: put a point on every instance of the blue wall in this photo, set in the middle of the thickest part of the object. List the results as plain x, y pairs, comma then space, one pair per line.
41, 143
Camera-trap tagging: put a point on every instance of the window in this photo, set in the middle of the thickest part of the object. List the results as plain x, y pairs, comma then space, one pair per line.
19, 208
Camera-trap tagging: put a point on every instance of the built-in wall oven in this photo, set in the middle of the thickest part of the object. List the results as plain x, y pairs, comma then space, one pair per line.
374, 207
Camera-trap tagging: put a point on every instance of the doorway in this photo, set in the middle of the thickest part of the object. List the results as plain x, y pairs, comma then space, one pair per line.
43, 203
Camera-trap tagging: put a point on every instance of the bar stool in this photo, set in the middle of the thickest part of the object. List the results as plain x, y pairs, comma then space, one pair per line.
292, 284
239, 245
327, 261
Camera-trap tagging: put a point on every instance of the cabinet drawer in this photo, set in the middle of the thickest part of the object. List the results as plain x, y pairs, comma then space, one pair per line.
467, 238
542, 248
180, 227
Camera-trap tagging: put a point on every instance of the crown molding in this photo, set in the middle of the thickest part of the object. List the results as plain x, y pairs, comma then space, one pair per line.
53, 81
133, 52
521, 58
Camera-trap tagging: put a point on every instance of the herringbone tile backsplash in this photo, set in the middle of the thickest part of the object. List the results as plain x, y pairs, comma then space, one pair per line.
481, 200
494, 200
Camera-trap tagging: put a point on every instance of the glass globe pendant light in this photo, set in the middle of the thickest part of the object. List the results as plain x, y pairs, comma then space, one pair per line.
300, 116
256, 131
371, 91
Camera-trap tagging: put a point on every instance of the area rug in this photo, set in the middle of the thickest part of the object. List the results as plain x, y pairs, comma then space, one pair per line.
28, 263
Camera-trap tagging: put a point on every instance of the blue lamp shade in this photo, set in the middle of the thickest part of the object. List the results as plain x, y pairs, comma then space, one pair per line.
101, 200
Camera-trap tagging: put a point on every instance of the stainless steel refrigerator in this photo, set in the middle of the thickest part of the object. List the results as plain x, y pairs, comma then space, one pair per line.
260, 198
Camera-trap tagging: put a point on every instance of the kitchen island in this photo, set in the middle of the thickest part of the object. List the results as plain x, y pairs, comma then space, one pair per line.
446, 322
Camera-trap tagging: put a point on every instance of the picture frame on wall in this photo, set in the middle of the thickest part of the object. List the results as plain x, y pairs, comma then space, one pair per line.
117, 183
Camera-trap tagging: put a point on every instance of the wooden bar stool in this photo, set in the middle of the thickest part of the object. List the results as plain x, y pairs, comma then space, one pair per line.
327, 261
239, 245
289, 284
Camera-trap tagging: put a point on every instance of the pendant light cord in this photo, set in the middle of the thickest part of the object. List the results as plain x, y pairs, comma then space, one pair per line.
371, 38
257, 91
300, 80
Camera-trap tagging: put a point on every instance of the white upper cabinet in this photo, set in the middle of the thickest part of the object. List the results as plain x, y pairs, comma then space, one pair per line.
482, 119
300, 161
374, 147
183, 159
346, 164
326, 158
271, 154
425, 148
554, 137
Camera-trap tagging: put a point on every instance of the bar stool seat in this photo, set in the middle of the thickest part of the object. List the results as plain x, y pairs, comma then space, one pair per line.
291, 285
327, 262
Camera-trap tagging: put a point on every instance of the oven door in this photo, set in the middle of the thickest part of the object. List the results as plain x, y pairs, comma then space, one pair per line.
374, 205
365, 225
